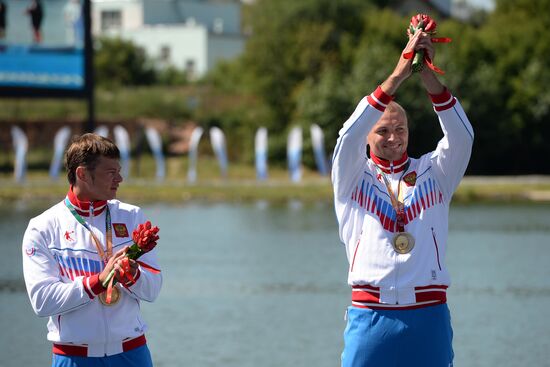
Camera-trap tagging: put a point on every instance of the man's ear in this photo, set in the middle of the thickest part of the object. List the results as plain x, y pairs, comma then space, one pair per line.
82, 173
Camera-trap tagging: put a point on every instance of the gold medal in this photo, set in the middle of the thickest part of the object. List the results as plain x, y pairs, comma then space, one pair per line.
403, 242
115, 297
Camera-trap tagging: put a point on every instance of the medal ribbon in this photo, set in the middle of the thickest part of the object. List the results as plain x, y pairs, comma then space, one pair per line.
108, 231
108, 234
396, 200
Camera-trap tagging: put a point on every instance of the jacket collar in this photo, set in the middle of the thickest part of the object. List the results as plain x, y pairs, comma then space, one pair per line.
391, 166
84, 208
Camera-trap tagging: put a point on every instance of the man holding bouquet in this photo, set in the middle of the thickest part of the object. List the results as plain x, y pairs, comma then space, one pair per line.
392, 212
81, 269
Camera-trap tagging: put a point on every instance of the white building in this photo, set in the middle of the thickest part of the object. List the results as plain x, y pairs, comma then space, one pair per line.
191, 35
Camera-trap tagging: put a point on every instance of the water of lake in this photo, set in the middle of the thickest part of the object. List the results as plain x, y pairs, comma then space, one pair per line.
256, 284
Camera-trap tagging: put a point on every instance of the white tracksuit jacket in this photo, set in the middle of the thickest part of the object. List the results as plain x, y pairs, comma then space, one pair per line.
366, 218
61, 267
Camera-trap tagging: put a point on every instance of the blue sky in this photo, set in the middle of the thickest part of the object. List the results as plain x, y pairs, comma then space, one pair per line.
485, 4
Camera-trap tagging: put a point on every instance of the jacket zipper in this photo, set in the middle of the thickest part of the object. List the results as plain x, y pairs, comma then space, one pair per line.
436, 249
103, 310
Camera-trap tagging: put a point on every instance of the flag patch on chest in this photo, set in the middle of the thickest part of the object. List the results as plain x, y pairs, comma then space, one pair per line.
120, 229
410, 179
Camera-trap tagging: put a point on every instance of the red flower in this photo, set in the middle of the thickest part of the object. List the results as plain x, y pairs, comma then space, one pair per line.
145, 236
423, 21
145, 239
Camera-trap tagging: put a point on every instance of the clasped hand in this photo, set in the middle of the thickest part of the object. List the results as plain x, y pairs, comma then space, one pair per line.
125, 268
418, 41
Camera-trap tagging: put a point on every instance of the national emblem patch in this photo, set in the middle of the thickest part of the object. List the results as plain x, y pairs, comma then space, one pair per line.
410, 178
120, 229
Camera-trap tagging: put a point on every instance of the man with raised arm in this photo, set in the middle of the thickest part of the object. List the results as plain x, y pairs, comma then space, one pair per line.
392, 212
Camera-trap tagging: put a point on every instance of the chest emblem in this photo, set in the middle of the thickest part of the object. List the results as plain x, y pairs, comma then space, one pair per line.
410, 178
120, 229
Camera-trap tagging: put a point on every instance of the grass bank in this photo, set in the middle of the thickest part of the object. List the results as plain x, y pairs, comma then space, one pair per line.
240, 185
142, 186
504, 189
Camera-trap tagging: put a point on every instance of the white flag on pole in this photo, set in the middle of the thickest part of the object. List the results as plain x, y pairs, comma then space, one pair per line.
193, 153
217, 139
294, 154
260, 153
318, 143
155, 142
102, 131
59, 144
20, 146
122, 140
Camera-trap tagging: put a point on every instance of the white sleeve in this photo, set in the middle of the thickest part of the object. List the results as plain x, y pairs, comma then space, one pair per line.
149, 283
349, 159
350, 151
48, 294
451, 157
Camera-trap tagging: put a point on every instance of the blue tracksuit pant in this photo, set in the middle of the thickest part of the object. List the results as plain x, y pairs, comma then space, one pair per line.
398, 338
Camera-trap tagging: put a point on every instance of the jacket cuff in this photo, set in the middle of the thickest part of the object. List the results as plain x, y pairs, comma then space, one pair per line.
93, 286
443, 101
130, 283
379, 99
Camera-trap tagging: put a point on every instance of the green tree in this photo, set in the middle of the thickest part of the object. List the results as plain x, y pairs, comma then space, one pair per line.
508, 93
312, 61
294, 42
119, 62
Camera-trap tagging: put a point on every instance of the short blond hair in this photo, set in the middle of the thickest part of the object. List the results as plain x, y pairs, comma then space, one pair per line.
396, 107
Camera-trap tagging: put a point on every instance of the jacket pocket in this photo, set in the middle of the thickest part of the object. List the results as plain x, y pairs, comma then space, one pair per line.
436, 249
355, 253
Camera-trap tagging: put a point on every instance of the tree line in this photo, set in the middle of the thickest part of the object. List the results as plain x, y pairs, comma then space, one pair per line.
311, 61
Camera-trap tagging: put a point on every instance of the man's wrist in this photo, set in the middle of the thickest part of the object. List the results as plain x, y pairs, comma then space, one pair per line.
130, 281
93, 286
391, 84
101, 279
431, 83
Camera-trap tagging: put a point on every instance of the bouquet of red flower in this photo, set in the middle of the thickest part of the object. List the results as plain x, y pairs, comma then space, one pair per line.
426, 24
145, 239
